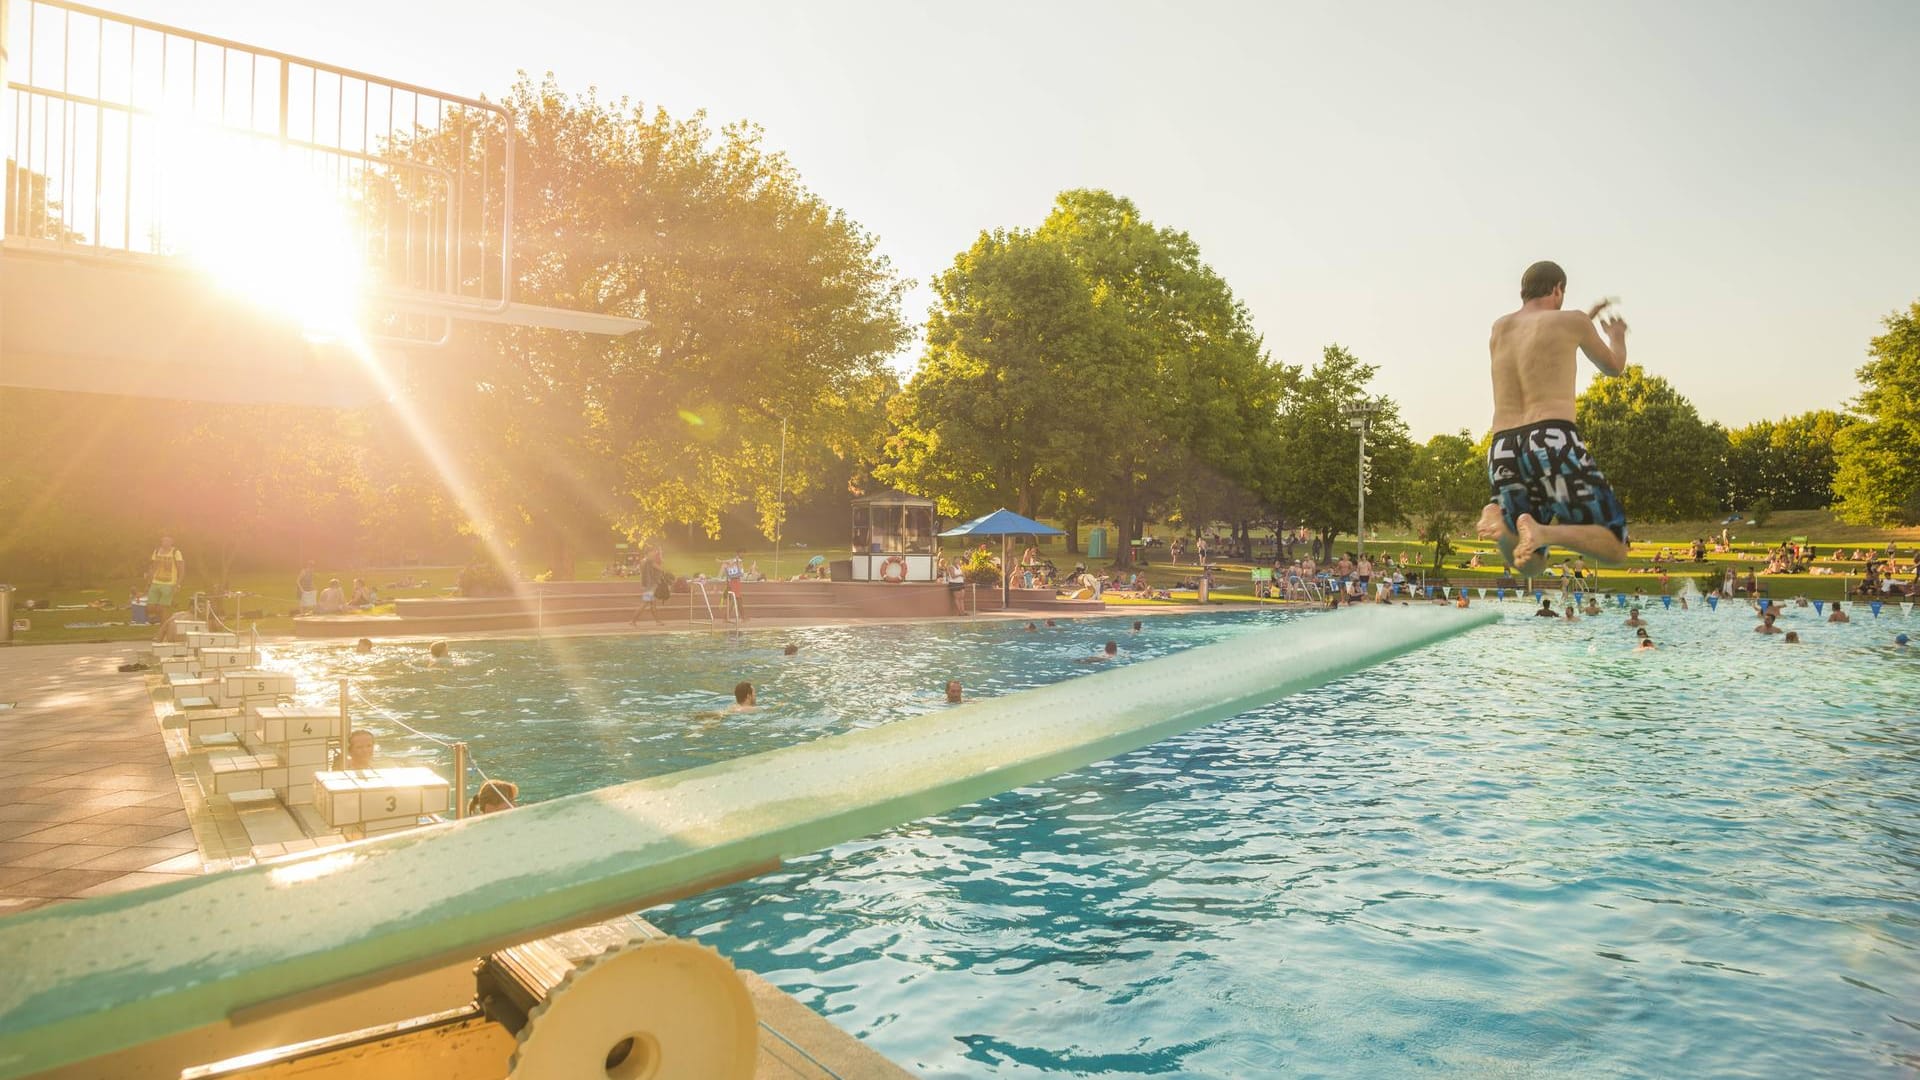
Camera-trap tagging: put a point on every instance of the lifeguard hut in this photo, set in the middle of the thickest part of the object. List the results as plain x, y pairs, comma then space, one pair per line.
893, 537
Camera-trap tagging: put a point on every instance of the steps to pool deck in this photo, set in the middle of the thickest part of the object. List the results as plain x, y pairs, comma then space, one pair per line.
579, 603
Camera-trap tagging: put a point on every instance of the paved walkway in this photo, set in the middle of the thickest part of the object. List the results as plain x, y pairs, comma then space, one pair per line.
88, 803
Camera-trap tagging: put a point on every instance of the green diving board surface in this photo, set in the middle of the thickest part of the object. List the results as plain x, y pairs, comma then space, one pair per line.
94, 976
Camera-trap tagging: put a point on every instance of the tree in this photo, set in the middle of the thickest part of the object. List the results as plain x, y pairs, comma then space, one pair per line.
1316, 483
1188, 392
1878, 476
1659, 456
1095, 366
764, 306
1000, 411
1789, 462
1449, 473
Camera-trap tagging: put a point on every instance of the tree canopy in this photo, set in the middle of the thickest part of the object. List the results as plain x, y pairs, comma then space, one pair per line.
763, 305
1317, 463
1878, 475
1788, 463
1661, 458
1093, 365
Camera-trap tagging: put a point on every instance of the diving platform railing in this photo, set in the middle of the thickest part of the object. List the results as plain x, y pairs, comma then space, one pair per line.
117, 128
95, 976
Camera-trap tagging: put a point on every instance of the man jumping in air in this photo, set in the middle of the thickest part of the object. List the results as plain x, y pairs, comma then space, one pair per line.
1546, 488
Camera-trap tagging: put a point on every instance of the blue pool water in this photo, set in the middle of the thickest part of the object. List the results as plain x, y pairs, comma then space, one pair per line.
1525, 852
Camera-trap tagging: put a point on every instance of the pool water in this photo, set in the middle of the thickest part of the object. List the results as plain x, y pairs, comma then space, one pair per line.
1524, 852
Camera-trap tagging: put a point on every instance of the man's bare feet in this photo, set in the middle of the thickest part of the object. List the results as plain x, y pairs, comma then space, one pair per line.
1528, 549
1492, 522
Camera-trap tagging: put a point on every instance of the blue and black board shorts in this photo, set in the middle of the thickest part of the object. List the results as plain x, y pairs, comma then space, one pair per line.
1545, 470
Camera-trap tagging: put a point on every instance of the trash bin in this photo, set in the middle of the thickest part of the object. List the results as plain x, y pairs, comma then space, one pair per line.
6, 614
1097, 544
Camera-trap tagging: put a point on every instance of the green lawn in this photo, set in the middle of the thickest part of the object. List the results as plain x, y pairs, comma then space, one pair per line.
272, 593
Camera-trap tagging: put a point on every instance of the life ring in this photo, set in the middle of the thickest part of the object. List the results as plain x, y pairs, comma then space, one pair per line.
894, 570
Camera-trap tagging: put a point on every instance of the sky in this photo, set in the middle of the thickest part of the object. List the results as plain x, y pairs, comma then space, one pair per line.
1745, 177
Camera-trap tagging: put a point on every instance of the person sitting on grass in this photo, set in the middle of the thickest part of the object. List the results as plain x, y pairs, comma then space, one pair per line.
333, 599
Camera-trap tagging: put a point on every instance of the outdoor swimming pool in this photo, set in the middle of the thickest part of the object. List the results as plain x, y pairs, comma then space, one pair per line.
1526, 851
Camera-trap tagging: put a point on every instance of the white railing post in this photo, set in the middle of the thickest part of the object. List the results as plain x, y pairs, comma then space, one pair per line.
459, 780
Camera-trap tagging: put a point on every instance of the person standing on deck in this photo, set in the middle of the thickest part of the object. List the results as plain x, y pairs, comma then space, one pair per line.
735, 571
1537, 464
169, 568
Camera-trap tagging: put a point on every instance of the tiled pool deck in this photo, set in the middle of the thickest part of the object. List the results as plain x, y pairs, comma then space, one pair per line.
89, 804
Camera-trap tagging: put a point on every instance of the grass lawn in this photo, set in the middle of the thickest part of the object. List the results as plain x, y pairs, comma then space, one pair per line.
272, 593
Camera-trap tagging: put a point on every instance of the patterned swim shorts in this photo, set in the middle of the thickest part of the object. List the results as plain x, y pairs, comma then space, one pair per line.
1544, 470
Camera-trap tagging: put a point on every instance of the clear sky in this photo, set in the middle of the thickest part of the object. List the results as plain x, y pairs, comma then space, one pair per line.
1744, 175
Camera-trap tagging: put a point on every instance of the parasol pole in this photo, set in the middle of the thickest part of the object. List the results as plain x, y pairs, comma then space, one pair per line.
1006, 577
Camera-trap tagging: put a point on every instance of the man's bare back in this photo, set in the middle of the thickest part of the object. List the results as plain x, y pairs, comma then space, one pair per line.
1538, 465
1533, 362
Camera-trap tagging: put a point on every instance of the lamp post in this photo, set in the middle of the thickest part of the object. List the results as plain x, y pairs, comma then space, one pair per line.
1360, 416
780, 500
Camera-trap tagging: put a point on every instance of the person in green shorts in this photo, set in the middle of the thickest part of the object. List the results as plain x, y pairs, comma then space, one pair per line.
169, 566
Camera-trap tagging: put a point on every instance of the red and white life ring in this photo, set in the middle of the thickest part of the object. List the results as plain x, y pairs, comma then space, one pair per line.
894, 570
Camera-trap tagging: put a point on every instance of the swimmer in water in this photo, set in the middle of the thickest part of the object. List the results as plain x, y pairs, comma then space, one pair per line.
1032, 629
1538, 464
743, 698
1766, 623
363, 646
437, 650
1112, 650
1792, 638
1634, 619
1592, 608
954, 692
1838, 615
1546, 609
1646, 645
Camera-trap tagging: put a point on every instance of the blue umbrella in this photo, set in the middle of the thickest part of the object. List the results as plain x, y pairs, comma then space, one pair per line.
1004, 524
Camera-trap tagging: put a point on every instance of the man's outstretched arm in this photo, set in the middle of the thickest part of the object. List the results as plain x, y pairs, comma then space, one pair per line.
1609, 354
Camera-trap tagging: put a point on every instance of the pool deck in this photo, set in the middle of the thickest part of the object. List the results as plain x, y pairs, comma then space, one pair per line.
89, 803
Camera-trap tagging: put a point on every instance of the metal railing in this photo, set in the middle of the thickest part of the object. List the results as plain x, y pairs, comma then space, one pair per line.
111, 121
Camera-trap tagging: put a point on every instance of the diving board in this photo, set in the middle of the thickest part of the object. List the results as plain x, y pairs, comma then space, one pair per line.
94, 976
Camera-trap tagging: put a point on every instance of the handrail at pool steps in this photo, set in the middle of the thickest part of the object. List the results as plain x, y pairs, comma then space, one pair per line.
95, 976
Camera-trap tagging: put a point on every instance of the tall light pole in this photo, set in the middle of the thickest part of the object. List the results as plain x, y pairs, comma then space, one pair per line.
780, 500
1359, 416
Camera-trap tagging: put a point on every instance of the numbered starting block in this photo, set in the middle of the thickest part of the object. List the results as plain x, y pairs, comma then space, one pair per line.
221, 659
191, 626
211, 639
247, 686
301, 736
374, 801
169, 650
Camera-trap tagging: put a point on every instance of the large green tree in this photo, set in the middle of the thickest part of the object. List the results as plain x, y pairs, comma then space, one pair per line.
1789, 463
1316, 482
1093, 367
1001, 411
1661, 458
1449, 473
1878, 478
1187, 390
766, 309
